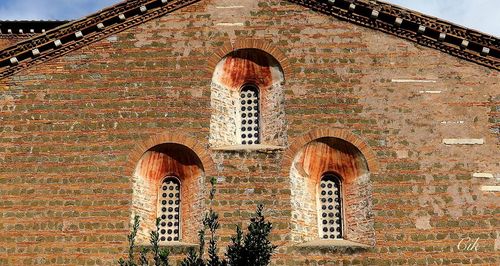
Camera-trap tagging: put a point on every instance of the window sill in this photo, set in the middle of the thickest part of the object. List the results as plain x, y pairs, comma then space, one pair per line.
250, 148
339, 245
331, 243
178, 244
173, 247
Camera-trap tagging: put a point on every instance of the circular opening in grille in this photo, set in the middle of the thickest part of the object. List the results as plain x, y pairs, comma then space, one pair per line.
169, 205
330, 209
250, 114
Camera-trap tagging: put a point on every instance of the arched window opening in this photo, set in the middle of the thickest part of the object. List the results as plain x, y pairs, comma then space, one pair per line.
162, 177
331, 192
250, 115
247, 102
169, 209
330, 199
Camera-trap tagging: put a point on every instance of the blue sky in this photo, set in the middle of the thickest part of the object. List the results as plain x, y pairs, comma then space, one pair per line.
50, 9
481, 15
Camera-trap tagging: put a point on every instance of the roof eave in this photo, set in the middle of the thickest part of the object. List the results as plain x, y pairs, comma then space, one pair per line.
456, 40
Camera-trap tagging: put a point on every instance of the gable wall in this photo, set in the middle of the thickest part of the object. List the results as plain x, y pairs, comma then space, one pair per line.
68, 126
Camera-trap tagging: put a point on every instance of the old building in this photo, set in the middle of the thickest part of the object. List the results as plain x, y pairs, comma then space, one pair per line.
369, 132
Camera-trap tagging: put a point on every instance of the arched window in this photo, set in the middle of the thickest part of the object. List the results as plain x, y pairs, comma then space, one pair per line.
169, 209
247, 102
250, 115
331, 192
166, 185
330, 213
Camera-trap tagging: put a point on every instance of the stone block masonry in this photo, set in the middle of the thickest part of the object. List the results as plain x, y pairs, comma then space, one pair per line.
72, 131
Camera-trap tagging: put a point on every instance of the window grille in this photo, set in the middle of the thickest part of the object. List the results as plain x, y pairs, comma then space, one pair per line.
169, 209
250, 128
331, 207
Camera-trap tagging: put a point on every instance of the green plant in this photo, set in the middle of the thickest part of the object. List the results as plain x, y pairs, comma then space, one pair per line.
251, 249
210, 221
254, 248
193, 258
236, 253
131, 246
160, 255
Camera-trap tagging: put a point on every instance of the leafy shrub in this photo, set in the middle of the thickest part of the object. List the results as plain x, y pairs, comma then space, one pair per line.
251, 249
160, 255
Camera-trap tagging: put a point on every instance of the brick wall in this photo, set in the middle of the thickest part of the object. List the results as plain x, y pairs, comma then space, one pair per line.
69, 128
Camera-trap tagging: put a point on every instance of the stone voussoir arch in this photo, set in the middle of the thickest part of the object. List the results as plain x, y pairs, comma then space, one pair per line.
264, 45
299, 142
163, 138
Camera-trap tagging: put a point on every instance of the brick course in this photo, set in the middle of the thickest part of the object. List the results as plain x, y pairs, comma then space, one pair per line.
73, 130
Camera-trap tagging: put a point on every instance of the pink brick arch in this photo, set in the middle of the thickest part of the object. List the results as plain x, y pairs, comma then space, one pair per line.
263, 45
298, 143
161, 138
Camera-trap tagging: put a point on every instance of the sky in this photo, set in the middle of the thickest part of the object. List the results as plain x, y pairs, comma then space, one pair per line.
482, 15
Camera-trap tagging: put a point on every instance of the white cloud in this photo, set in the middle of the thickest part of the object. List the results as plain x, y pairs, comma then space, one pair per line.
481, 15
50, 9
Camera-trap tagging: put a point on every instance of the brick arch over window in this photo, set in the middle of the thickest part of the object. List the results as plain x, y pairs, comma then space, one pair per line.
320, 156
298, 143
161, 138
266, 46
160, 159
229, 123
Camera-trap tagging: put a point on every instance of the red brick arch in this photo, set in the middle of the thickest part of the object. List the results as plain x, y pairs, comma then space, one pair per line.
162, 138
298, 143
263, 45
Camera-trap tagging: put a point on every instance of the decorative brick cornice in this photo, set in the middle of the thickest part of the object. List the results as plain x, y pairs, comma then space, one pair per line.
15, 29
428, 31
299, 143
76, 34
16, 37
198, 148
461, 42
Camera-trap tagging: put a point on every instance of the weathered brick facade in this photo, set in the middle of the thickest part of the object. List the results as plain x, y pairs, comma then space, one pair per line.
81, 136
